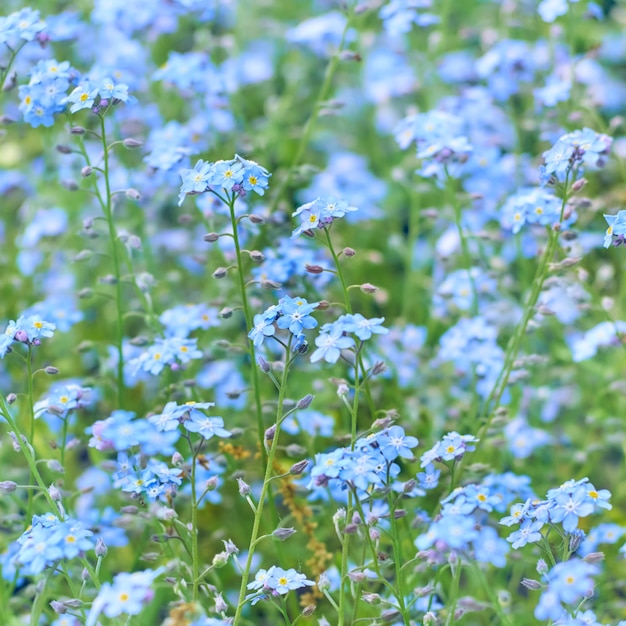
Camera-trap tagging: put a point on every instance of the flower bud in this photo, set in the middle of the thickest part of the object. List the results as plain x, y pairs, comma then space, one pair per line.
51, 370
349, 252
368, 288
225, 313
133, 194
101, 548
297, 468
256, 219
11, 398
244, 488
211, 237
283, 533
531, 583
220, 272
131, 143
313, 269
86, 171
55, 494
270, 432
257, 256
7, 486
77, 130
63, 149
304, 403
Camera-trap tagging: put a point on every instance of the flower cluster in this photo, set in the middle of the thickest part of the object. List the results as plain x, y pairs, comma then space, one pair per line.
452, 447
27, 330
532, 206
45, 93
567, 583
127, 594
369, 465
320, 213
334, 337
24, 25
563, 505
571, 151
191, 417
171, 351
290, 314
276, 581
48, 541
97, 95
237, 176
398, 16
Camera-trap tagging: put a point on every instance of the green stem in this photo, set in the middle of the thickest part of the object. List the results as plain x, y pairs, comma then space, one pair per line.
454, 592
108, 212
264, 491
504, 618
195, 558
248, 318
31, 416
408, 298
310, 124
467, 257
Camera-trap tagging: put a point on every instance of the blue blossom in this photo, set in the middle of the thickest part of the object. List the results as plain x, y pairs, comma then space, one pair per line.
616, 231
165, 352
127, 594
528, 533
549, 10
320, 213
581, 147
24, 24
330, 344
399, 15
236, 176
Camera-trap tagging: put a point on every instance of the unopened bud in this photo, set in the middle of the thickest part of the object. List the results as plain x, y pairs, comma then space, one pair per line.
349, 252
270, 284
244, 487
70, 185
7, 486
58, 607
131, 143
177, 459
531, 583
368, 288
594, 557
297, 468
220, 605
257, 256
51, 370
11, 398
101, 548
86, 171
63, 149
211, 237
220, 272
256, 219
55, 494
83, 255
542, 566
313, 269
211, 483
283, 533
371, 598
305, 403
55, 466
270, 432
226, 312
220, 559
308, 610
379, 368
264, 365
357, 577
77, 130
429, 618
133, 194
579, 184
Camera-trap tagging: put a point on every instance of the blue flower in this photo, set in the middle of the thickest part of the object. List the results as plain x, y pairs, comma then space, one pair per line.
616, 230
329, 346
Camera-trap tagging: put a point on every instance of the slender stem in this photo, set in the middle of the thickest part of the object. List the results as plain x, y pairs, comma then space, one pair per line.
504, 618
397, 556
331, 68
248, 318
454, 592
29, 456
264, 491
31, 427
108, 212
408, 298
467, 257
195, 558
